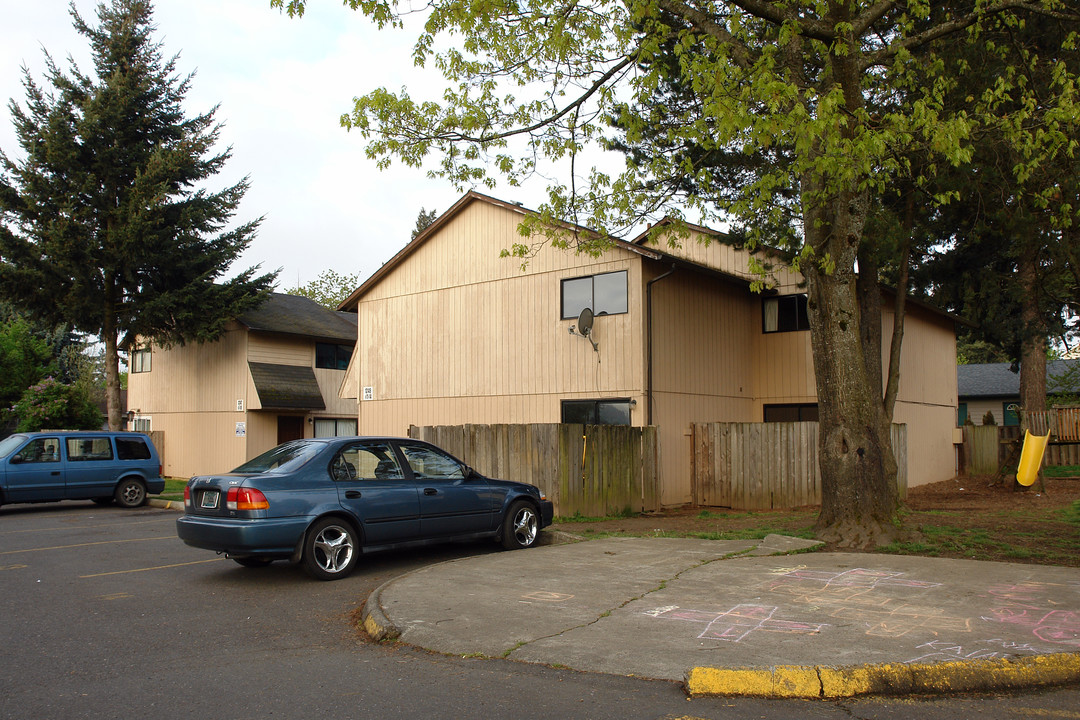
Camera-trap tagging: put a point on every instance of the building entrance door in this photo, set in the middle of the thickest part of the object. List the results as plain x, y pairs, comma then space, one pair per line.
289, 427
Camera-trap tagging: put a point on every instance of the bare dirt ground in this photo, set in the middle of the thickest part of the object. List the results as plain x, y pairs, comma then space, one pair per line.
964, 517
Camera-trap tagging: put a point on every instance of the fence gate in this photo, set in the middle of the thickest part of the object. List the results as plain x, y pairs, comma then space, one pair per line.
591, 470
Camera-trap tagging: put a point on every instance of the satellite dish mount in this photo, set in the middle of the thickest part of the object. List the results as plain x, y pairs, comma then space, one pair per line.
584, 328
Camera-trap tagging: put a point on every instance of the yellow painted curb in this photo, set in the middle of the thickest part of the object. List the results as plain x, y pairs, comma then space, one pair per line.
783, 681
808, 681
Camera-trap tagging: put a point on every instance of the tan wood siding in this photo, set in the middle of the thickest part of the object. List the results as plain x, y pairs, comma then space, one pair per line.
208, 377
279, 350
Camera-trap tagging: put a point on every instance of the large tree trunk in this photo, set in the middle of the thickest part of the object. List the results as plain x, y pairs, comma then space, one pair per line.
1033, 341
859, 501
112, 370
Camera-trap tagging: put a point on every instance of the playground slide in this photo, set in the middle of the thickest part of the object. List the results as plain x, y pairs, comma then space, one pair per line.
1031, 457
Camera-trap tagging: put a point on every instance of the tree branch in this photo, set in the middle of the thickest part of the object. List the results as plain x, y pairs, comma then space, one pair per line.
962, 23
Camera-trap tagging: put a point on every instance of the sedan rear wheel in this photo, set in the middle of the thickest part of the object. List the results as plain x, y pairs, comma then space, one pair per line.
520, 527
331, 549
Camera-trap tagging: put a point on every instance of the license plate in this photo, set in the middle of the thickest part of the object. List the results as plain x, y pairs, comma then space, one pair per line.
210, 499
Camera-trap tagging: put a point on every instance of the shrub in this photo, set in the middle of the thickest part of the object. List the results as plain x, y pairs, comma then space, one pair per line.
988, 418
54, 405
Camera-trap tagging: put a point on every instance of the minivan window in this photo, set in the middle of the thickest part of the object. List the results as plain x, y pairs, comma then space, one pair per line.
10, 443
92, 448
131, 449
41, 450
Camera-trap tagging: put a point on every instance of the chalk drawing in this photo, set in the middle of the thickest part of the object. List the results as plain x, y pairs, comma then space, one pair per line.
940, 650
868, 596
544, 596
737, 623
1027, 604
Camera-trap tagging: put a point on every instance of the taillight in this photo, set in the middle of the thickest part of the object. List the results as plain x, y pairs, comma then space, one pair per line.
246, 499
187, 496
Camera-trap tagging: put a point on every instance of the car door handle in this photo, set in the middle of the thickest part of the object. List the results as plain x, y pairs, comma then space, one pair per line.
352, 494
55, 472
431, 491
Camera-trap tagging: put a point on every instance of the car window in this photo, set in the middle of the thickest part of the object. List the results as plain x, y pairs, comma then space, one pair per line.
132, 449
367, 461
430, 463
41, 450
282, 459
92, 448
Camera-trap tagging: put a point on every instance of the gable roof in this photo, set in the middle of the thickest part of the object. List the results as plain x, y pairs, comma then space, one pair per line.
994, 380
350, 303
300, 316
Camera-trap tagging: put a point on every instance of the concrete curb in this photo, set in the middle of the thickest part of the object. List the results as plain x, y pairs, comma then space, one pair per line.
374, 620
166, 504
807, 681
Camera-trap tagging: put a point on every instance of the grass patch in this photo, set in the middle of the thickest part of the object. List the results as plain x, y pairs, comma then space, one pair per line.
1062, 471
174, 489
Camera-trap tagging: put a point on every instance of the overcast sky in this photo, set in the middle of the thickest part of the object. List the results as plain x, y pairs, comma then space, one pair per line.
281, 84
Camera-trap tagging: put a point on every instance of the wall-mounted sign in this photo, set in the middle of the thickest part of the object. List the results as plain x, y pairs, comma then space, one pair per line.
241, 429
240, 405
369, 393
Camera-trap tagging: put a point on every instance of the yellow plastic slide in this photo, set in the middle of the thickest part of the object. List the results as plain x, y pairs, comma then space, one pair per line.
1031, 457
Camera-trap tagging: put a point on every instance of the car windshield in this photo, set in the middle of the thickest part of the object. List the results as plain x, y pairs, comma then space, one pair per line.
8, 444
282, 459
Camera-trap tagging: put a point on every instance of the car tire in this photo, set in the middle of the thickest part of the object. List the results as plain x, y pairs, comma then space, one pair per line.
130, 493
331, 549
521, 526
256, 561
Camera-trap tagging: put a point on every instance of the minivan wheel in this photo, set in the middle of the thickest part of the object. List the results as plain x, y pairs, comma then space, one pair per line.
330, 549
130, 493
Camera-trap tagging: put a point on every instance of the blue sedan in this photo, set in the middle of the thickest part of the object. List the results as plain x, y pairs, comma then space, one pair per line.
323, 501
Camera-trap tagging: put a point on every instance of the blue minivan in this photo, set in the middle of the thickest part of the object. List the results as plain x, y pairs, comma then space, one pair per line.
99, 466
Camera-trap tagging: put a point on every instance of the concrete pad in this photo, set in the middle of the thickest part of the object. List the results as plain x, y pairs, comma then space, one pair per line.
805, 625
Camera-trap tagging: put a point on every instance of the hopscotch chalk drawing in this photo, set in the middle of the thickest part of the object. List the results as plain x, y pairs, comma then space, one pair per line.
736, 624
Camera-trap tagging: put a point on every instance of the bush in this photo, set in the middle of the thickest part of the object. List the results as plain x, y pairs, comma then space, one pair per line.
53, 405
988, 418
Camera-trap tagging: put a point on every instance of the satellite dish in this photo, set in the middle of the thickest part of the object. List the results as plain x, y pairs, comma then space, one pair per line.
585, 321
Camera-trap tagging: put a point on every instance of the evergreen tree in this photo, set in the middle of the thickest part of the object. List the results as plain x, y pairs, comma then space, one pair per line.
105, 222
423, 219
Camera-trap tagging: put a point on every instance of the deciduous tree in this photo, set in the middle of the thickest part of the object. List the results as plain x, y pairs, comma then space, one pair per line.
842, 90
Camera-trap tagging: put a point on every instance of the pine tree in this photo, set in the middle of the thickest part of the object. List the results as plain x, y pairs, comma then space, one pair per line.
106, 222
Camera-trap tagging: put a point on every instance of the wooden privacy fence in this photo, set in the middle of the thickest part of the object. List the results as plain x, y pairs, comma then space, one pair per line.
1063, 423
763, 466
590, 470
987, 447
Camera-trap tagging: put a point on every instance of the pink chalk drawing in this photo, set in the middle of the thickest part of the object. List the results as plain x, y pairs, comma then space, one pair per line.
737, 623
1060, 627
1025, 604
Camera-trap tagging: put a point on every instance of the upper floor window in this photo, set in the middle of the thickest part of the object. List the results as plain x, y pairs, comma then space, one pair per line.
332, 357
604, 294
140, 360
784, 314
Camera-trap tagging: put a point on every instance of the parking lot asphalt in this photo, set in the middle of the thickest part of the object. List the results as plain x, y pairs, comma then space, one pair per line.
747, 618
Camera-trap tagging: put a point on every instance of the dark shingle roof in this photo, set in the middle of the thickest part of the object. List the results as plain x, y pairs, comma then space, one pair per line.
997, 380
296, 315
286, 387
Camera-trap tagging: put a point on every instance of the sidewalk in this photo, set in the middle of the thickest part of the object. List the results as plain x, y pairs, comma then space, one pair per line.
735, 618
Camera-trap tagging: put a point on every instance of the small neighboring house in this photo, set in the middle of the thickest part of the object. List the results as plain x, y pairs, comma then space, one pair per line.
995, 388
452, 332
274, 375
